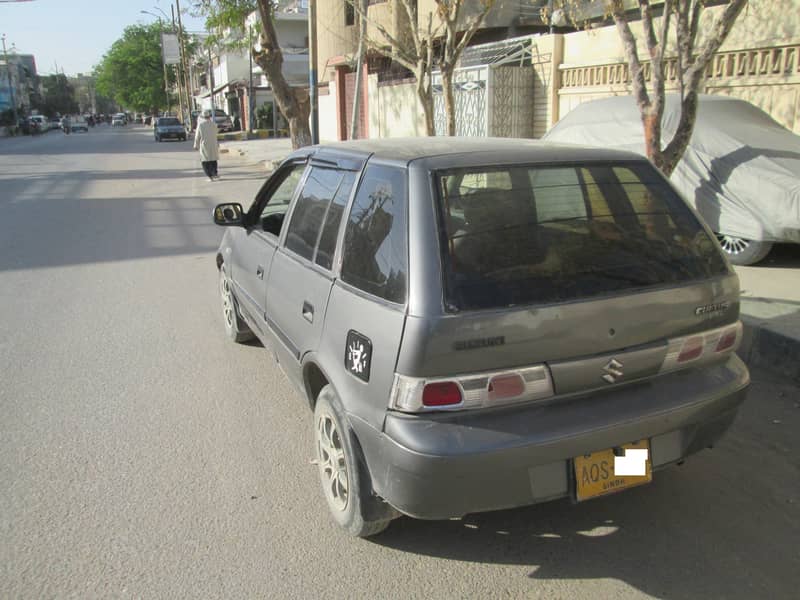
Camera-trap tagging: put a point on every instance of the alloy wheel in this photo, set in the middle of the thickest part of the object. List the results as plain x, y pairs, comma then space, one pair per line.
227, 300
332, 462
732, 244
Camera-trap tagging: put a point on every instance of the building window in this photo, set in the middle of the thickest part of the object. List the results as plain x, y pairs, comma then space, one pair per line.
349, 13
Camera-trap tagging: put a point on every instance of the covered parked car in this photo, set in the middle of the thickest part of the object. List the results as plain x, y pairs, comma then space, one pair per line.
741, 170
485, 324
169, 128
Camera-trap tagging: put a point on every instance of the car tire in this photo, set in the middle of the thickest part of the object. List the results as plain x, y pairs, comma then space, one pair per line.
743, 252
343, 473
235, 328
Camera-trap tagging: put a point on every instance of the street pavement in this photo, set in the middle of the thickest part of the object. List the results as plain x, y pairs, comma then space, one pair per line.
144, 455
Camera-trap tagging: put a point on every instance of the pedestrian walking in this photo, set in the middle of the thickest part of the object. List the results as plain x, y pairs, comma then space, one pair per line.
205, 139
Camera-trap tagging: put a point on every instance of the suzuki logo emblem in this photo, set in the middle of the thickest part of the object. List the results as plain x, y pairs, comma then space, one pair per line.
613, 371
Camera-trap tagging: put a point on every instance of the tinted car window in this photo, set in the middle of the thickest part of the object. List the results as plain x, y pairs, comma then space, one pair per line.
375, 257
273, 213
567, 232
327, 241
168, 121
319, 189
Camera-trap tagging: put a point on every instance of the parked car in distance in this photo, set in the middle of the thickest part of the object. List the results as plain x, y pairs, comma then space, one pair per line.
484, 325
54, 123
742, 180
222, 120
119, 120
79, 124
169, 128
41, 123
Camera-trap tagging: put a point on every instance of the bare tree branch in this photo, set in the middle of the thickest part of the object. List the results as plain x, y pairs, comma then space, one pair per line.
629, 47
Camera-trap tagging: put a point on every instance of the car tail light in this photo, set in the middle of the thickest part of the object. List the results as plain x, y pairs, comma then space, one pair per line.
502, 387
727, 340
479, 390
444, 393
692, 348
702, 347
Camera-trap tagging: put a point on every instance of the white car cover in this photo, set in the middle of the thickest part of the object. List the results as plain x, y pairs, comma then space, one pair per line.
741, 170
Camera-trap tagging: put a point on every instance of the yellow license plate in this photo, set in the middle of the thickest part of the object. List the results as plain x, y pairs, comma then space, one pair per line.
594, 473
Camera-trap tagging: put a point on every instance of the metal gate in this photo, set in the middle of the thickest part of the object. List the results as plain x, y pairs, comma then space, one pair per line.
492, 91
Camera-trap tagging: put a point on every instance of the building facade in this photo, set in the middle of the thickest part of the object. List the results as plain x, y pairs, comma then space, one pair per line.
517, 79
237, 84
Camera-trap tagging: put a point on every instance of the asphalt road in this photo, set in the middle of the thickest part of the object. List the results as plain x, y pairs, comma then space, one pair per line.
144, 455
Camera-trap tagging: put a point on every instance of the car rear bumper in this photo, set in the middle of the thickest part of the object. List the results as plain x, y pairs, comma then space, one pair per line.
448, 465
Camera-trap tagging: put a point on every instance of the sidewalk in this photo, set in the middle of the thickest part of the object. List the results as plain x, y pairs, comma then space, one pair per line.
263, 153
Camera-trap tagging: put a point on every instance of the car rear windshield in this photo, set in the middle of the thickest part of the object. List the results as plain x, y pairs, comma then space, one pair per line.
169, 121
540, 234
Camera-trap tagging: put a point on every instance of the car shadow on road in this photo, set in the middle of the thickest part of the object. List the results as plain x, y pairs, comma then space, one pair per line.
782, 256
724, 525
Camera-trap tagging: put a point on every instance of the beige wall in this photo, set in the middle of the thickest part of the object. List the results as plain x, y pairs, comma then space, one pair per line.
759, 61
334, 39
327, 115
394, 110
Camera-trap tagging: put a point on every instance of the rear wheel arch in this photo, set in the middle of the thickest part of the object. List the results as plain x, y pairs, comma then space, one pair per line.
314, 380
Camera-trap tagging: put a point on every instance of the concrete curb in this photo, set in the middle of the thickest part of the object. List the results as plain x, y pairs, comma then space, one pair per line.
775, 351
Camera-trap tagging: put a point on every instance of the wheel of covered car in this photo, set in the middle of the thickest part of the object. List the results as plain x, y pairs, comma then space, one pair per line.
741, 251
343, 473
234, 327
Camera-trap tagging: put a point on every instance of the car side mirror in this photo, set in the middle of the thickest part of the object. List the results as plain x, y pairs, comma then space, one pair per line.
228, 214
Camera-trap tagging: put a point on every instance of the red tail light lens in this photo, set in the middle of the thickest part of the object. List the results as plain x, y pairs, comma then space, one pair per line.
692, 348
727, 340
506, 386
445, 393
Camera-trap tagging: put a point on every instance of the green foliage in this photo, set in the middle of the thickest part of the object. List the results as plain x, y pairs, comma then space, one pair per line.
131, 72
264, 116
7, 117
222, 16
58, 97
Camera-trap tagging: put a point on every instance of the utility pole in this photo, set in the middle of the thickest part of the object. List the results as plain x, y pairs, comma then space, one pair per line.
183, 61
211, 82
250, 99
10, 83
178, 84
312, 70
362, 34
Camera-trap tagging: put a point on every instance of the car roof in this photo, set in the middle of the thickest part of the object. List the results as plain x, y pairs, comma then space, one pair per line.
444, 152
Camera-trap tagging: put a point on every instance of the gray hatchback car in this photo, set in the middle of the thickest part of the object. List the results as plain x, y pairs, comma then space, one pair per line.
480, 324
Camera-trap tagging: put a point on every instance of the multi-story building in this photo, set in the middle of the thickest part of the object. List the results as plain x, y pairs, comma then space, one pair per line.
21, 69
235, 81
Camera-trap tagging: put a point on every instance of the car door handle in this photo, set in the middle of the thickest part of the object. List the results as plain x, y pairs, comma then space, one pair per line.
308, 312
260, 272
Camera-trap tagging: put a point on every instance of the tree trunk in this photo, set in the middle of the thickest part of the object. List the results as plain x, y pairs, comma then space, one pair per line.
293, 102
449, 102
426, 100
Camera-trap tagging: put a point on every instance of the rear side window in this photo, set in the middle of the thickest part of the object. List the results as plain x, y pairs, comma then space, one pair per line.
565, 232
311, 209
375, 256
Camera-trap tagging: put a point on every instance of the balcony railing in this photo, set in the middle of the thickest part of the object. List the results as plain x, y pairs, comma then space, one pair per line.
760, 63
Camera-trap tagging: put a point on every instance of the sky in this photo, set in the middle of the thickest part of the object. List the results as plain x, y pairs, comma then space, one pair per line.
74, 34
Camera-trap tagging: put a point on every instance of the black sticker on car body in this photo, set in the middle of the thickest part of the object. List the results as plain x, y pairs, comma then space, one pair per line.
358, 355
